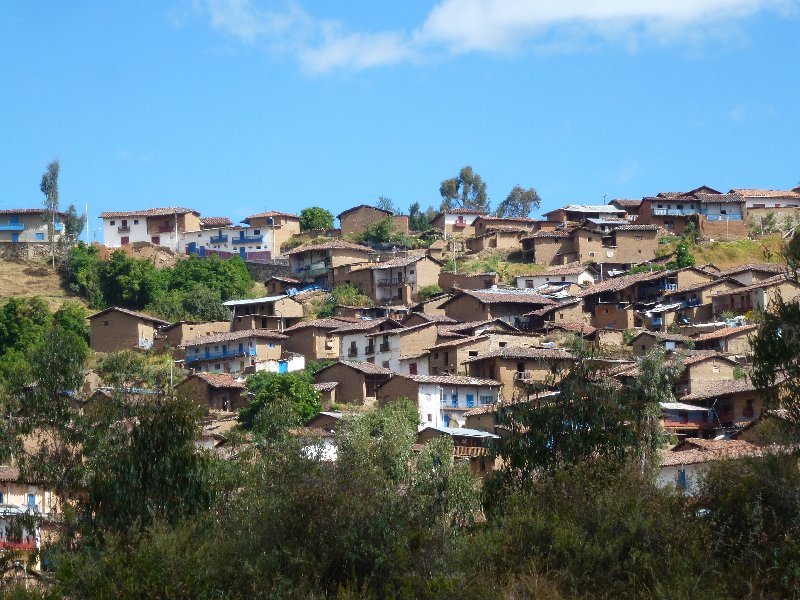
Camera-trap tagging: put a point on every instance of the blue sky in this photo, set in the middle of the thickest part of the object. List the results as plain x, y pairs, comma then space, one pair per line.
234, 106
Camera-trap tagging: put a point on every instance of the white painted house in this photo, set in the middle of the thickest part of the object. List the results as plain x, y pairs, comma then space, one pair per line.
250, 243
158, 226
577, 274
19, 225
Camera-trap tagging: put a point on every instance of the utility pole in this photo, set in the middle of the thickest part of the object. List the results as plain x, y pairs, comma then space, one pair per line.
87, 223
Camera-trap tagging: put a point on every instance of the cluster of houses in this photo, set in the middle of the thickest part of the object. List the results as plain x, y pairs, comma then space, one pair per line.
476, 347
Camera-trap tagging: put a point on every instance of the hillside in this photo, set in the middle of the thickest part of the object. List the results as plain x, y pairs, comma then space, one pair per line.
34, 278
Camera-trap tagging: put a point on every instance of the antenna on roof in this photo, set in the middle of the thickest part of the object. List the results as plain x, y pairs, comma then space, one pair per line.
604, 197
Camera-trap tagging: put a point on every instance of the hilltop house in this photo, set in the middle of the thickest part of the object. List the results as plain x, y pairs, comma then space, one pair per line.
217, 391
442, 400
117, 328
577, 274
249, 243
159, 226
457, 222
578, 213
313, 263
21, 225
356, 382
358, 218
280, 227
175, 336
716, 215
238, 352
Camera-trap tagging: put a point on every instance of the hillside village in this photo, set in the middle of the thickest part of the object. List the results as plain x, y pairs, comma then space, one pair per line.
600, 283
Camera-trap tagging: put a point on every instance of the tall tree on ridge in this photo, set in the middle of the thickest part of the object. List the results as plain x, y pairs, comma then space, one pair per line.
49, 188
468, 190
518, 203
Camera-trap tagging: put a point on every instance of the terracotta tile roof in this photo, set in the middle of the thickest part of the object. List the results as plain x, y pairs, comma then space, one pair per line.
565, 270
229, 336
490, 408
751, 193
395, 262
525, 220
463, 211
452, 380
26, 211
723, 388
550, 234
626, 203
9, 473
332, 245
697, 450
541, 312
460, 342
636, 228
590, 208
401, 330
432, 318
514, 296
725, 332
762, 267
219, 380
327, 323
691, 357
763, 284
665, 337
363, 325
703, 285
471, 325
215, 222
364, 367
271, 213
149, 212
523, 352
616, 284
132, 313
360, 206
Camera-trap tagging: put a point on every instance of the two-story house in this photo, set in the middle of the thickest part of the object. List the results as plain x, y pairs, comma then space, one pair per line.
358, 218
20, 225
315, 339
159, 226
174, 337
217, 391
280, 227
248, 243
313, 263
402, 350
268, 312
578, 213
239, 351
394, 281
354, 345
457, 222
356, 382
118, 328
442, 400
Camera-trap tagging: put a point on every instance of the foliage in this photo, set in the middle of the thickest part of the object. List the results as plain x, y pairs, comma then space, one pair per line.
268, 388
73, 226
628, 335
683, 257
314, 217
468, 190
518, 203
49, 187
194, 288
346, 294
418, 220
387, 204
429, 291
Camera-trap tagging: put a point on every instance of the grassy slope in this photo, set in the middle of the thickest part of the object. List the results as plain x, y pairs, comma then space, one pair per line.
26, 279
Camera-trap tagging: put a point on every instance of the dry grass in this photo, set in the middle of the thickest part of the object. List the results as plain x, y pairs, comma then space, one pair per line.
33, 278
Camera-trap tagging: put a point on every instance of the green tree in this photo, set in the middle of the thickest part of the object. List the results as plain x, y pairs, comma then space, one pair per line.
315, 218
429, 291
130, 282
519, 202
418, 220
81, 272
468, 190
73, 226
344, 295
229, 278
49, 187
683, 257
385, 203
266, 388
71, 316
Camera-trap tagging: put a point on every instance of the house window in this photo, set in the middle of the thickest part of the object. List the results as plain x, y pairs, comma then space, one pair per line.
271, 345
105, 323
136, 221
412, 368
454, 400
386, 364
638, 238
716, 368
256, 232
749, 411
430, 417
111, 222
563, 279
39, 237
2, 498
31, 500
485, 400
529, 283
591, 253
217, 367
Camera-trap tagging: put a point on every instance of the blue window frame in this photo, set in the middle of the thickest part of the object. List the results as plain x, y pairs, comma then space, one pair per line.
39, 237
31, 500
470, 401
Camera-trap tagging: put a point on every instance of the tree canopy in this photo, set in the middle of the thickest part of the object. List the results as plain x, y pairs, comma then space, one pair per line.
315, 217
518, 203
467, 190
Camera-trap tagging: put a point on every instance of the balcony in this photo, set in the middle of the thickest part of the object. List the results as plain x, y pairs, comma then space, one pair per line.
312, 270
369, 349
123, 229
190, 358
351, 352
523, 376
460, 224
384, 347
722, 217
12, 227
674, 212
248, 239
218, 239
733, 307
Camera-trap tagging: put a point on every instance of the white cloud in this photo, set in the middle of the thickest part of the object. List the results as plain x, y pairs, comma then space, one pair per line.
738, 113
495, 26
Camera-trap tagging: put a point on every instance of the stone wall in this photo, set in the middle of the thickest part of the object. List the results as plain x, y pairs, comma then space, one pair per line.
723, 230
24, 250
262, 271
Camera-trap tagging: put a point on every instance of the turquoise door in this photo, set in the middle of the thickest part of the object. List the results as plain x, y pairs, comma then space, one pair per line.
14, 237
283, 367
242, 252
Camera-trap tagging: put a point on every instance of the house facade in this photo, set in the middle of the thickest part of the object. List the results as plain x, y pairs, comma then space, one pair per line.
117, 328
158, 226
278, 226
313, 263
356, 382
28, 225
238, 351
457, 222
248, 243
217, 391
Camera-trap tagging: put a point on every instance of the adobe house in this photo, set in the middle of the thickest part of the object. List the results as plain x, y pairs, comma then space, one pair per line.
217, 391
432, 306
578, 213
314, 339
313, 263
509, 305
549, 248
175, 336
646, 340
418, 318
448, 331
469, 445
735, 402
215, 222
631, 207
269, 312
22, 225
520, 370
685, 465
394, 281
568, 311
278, 286
716, 215
754, 272
327, 392
728, 340
758, 296
282, 227
457, 222
690, 276
442, 400
486, 223
497, 238
468, 281
578, 274
446, 358
704, 370
330, 421
358, 218
117, 328
356, 382
605, 299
